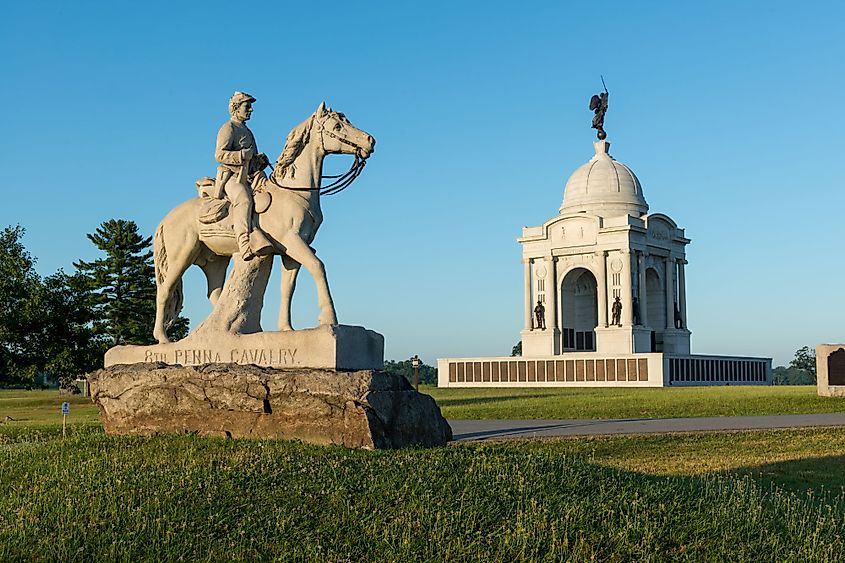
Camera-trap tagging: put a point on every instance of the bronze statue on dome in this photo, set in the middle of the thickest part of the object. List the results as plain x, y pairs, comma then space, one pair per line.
598, 104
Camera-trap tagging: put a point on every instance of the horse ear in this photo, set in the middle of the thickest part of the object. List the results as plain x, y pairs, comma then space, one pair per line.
321, 109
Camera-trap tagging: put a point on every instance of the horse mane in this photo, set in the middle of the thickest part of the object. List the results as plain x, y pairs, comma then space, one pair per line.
294, 144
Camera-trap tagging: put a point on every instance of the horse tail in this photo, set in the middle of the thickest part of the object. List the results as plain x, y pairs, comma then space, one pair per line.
173, 306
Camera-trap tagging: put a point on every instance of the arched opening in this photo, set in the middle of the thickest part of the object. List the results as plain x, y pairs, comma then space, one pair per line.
579, 310
656, 298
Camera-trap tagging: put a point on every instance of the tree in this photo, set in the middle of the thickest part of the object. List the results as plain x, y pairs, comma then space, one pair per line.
18, 287
805, 359
782, 375
122, 285
44, 324
68, 343
428, 374
517, 349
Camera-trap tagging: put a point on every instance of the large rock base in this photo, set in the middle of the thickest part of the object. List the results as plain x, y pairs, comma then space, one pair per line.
362, 409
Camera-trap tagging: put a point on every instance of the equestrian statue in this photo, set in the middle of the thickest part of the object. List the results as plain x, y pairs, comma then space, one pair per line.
245, 214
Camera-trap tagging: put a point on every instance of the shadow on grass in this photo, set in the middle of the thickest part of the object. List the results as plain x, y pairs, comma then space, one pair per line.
808, 475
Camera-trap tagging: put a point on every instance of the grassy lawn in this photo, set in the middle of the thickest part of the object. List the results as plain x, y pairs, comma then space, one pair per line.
93, 496
557, 403
741, 496
37, 408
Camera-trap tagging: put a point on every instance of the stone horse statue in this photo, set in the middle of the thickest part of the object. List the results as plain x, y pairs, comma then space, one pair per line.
288, 212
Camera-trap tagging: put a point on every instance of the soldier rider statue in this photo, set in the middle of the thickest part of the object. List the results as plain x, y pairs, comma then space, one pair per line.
238, 159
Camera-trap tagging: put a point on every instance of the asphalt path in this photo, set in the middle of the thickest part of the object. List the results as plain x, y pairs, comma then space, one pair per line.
468, 430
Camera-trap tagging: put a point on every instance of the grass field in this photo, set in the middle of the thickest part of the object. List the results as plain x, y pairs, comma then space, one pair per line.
750, 496
557, 403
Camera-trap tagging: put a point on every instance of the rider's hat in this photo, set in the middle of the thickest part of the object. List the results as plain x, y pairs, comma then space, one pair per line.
239, 98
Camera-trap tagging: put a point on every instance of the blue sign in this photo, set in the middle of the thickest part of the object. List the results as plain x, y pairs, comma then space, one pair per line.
65, 409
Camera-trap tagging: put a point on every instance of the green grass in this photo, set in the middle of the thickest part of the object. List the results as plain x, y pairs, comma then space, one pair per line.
93, 496
598, 403
740, 496
28, 408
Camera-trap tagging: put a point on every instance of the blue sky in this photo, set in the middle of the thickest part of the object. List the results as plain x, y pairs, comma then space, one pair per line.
729, 113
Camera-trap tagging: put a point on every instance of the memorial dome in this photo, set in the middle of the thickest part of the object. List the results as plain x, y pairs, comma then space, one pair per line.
604, 187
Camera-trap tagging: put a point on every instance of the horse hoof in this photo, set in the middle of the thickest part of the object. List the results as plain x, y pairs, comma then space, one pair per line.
287, 328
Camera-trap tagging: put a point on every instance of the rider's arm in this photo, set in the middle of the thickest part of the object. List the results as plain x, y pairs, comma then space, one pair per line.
226, 142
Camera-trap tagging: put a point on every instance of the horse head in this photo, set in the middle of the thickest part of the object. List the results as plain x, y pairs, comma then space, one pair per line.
339, 136
324, 132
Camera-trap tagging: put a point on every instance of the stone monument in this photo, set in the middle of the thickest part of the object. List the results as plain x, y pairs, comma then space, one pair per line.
229, 377
611, 277
830, 370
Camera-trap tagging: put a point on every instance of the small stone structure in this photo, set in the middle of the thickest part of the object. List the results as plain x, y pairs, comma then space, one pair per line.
361, 409
830, 370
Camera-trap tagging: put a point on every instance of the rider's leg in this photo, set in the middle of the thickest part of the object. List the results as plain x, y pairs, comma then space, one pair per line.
241, 213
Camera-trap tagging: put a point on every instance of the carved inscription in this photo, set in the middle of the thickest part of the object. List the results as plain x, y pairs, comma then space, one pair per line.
260, 356
150, 356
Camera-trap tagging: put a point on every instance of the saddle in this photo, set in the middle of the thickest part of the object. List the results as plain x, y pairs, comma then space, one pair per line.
214, 209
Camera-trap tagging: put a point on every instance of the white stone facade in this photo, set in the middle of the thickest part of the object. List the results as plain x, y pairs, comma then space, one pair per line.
605, 244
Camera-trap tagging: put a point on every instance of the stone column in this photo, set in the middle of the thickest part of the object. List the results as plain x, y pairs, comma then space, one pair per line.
529, 310
553, 291
670, 294
627, 290
602, 289
682, 292
642, 296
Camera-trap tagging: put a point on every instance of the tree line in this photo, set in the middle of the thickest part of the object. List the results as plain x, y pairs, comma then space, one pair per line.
62, 324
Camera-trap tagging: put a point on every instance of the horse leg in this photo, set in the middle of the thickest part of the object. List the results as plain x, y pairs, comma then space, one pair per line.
215, 275
180, 258
300, 252
290, 268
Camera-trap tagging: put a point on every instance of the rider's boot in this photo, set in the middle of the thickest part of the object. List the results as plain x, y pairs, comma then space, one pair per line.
243, 245
259, 243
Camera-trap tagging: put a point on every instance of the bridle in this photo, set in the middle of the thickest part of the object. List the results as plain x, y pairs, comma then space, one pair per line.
341, 181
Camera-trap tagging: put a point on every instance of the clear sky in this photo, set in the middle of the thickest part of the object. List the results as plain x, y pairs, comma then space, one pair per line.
730, 114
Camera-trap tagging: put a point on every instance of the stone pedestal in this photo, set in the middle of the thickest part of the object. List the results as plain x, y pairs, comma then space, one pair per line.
830, 370
362, 409
623, 339
676, 341
339, 347
540, 342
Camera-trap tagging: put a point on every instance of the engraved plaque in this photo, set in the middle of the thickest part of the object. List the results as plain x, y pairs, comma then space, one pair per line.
836, 368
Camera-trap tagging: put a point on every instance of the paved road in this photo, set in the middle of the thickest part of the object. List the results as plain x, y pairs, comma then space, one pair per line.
464, 430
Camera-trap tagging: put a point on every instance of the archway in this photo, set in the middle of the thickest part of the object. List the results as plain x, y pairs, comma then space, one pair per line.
579, 310
656, 297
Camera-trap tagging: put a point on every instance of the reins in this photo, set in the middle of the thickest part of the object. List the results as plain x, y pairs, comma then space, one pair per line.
341, 181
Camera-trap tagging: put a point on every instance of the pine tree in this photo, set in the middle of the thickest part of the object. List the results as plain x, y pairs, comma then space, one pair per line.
122, 285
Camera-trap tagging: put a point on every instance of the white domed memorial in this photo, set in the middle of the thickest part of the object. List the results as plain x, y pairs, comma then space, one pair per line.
605, 294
